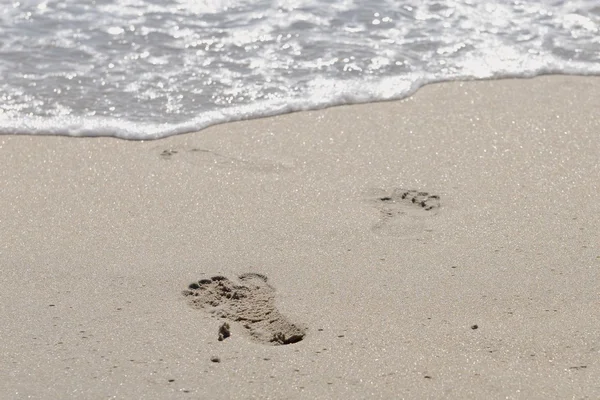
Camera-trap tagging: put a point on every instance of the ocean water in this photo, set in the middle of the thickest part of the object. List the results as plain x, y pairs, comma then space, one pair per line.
144, 69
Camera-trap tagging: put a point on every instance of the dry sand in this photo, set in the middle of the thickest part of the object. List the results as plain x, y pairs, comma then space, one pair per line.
100, 237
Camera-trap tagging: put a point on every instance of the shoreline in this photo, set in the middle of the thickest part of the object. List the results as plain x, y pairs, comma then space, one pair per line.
100, 237
76, 130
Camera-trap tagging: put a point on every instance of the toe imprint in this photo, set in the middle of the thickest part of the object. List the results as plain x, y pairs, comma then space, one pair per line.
405, 213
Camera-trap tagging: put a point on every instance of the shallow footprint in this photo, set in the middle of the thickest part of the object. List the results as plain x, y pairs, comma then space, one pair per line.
405, 213
251, 305
209, 158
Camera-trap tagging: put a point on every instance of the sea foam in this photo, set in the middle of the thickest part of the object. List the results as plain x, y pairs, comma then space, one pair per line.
145, 69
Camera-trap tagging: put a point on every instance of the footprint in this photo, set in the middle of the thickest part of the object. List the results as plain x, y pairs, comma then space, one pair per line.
251, 305
405, 213
209, 158
166, 154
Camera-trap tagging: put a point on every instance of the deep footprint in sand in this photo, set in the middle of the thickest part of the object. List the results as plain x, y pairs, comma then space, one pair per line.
405, 213
250, 305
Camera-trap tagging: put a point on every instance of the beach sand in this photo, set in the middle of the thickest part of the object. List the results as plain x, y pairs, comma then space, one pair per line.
487, 286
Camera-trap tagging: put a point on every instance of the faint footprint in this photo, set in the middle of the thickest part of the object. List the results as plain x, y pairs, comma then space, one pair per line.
210, 158
166, 154
405, 213
250, 304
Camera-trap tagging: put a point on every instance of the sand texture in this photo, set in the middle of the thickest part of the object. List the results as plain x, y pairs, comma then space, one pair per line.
442, 246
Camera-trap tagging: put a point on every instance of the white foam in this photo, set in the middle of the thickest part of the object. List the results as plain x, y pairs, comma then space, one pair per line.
137, 69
